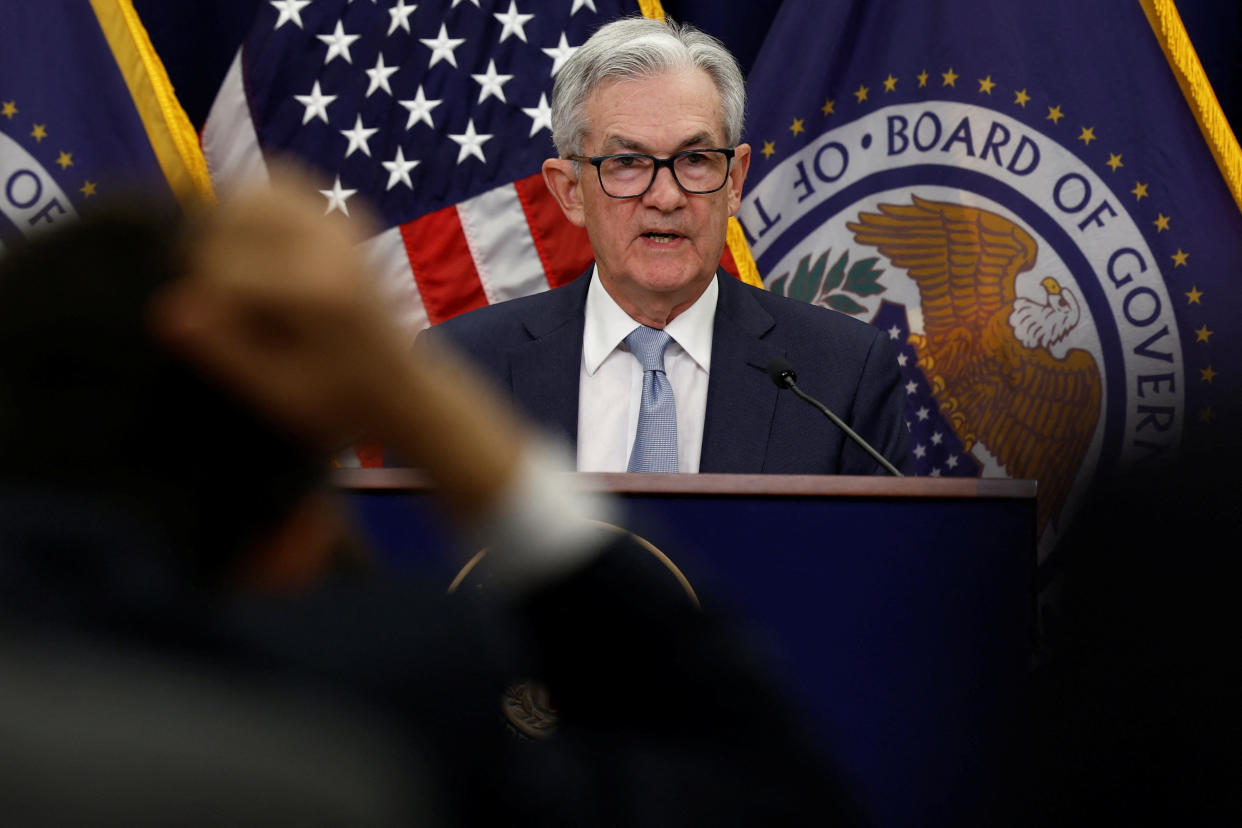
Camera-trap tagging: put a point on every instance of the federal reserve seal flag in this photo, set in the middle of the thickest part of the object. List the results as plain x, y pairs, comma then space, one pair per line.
86, 112
1038, 202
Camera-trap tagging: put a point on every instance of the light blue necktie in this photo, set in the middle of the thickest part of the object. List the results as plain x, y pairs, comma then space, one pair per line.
655, 444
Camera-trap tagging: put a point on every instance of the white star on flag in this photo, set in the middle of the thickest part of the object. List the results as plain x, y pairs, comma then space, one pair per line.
316, 104
471, 143
289, 10
399, 170
400, 16
442, 47
419, 109
338, 44
337, 197
379, 76
578, 4
492, 83
514, 23
540, 116
358, 137
560, 53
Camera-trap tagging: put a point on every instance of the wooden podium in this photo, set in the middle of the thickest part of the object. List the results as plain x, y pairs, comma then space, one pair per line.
898, 612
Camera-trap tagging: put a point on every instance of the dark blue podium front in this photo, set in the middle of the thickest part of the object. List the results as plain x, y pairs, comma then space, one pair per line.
899, 612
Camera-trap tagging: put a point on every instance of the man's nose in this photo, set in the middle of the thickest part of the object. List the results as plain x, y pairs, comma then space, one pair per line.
664, 193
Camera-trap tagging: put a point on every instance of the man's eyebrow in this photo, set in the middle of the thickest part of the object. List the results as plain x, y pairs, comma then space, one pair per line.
700, 140
619, 142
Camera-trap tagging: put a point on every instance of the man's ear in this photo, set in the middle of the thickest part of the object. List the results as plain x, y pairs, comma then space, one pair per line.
564, 184
737, 176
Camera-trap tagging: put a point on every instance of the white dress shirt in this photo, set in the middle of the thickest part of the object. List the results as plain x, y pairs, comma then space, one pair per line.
610, 383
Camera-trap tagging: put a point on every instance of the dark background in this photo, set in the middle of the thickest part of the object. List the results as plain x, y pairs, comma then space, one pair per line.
198, 38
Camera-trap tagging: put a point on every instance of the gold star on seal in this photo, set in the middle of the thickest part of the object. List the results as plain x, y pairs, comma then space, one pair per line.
950, 77
1021, 98
769, 149
1161, 222
796, 126
1140, 191
890, 83
922, 76
1087, 135
39, 132
1114, 161
1193, 296
65, 159
8, 109
986, 84
1207, 374
827, 108
1179, 259
861, 93
88, 189
1203, 334
1055, 114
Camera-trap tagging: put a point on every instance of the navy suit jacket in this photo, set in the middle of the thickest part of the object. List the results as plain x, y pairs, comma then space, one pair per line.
532, 347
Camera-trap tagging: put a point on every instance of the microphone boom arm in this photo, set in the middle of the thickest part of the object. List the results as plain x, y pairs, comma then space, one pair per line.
783, 374
853, 435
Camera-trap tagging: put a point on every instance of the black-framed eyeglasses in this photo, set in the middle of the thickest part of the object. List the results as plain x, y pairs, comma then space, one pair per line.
631, 174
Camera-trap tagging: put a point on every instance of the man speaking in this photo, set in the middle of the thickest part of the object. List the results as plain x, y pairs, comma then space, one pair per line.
656, 360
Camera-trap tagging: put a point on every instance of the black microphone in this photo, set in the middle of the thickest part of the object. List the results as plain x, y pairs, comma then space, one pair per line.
784, 375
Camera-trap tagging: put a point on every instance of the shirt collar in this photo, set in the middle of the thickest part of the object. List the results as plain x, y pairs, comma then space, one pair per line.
607, 326
692, 329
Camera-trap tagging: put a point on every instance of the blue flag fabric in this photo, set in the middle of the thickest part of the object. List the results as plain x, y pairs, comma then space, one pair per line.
1037, 221
81, 115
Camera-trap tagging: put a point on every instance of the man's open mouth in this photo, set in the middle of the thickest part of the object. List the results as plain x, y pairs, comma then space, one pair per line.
661, 238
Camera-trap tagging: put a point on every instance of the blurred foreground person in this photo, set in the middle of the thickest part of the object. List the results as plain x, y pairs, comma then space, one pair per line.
180, 641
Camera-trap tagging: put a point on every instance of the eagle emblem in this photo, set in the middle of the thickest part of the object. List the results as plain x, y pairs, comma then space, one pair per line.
988, 353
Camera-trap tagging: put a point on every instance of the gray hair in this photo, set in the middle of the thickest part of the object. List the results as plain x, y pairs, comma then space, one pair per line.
637, 47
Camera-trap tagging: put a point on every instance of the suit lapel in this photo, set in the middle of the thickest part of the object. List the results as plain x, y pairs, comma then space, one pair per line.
545, 370
741, 398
